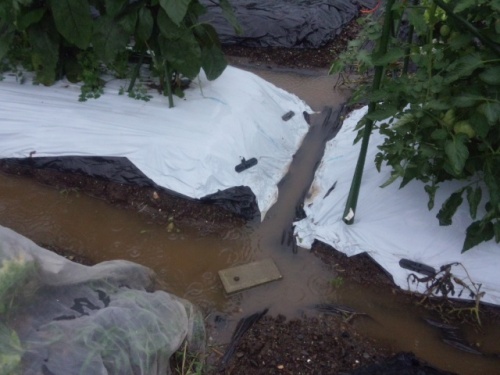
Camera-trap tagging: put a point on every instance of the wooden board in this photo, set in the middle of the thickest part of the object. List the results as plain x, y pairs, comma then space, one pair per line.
236, 279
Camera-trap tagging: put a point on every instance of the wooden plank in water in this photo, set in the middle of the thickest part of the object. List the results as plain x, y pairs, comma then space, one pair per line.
236, 279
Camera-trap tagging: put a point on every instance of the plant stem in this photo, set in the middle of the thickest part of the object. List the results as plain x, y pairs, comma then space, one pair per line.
168, 85
406, 61
352, 199
136, 71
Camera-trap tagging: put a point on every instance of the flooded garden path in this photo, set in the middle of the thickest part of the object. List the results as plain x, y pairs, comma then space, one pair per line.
188, 261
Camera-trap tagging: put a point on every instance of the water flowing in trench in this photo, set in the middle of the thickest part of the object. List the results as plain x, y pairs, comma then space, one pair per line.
188, 261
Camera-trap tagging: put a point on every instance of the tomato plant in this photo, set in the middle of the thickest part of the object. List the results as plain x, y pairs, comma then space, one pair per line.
437, 103
77, 38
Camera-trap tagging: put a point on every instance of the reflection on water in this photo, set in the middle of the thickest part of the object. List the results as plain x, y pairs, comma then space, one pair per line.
187, 262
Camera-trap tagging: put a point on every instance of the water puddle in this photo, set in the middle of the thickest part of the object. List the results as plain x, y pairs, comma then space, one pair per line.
188, 261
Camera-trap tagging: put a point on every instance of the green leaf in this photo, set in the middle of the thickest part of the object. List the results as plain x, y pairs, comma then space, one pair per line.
491, 76
168, 28
439, 134
176, 9
459, 41
476, 233
493, 182
45, 54
206, 35
389, 57
361, 123
379, 158
228, 12
474, 198
73, 21
466, 100
6, 35
480, 124
457, 152
449, 208
382, 113
178, 92
144, 25
359, 136
431, 192
464, 4
27, 19
337, 67
11, 351
113, 7
407, 118
465, 65
416, 18
411, 172
428, 151
184, 55
390, 180
491, 110
109, 39
128, 22
213, 62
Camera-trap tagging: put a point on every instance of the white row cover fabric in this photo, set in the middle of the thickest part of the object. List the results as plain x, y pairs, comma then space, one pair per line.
191, 149
392, 223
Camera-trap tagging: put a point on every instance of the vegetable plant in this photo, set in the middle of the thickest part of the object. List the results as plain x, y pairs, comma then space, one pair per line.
80, 39
436, 97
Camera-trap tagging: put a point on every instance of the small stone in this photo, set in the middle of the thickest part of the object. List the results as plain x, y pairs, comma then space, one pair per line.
280, 367
155, 195
239, 354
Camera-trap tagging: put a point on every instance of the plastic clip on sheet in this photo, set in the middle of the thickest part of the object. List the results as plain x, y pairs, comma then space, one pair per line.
245, 164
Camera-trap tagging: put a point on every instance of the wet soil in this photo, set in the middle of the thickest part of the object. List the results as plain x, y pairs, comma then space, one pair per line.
326, 343
298, 58
321, 344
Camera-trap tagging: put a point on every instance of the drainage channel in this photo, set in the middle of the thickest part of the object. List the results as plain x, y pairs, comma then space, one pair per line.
305, 279
188, 261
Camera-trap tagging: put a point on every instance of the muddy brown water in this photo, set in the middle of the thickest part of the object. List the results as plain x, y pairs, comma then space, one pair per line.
188, 262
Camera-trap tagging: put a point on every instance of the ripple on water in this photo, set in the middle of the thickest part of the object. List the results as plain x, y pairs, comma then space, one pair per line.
235, 255
320, 285
232, 234
134, 252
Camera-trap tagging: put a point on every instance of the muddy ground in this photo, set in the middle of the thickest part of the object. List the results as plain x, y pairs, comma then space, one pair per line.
326, 344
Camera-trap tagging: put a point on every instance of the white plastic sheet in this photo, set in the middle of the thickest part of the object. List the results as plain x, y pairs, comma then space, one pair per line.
391, 223
191, 149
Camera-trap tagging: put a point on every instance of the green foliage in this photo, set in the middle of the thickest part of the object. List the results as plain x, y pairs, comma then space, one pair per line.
14, 277
337, 282
84, 38
10, 351
138, 93
187, 363
441, 92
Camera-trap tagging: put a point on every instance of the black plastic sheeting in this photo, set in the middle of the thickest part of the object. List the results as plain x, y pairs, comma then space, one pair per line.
284, 23
239, 200
114, 169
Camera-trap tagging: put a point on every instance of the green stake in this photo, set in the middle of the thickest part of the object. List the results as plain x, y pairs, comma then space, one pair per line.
352, 199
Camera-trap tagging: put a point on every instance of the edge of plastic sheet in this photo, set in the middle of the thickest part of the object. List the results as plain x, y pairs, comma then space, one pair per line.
391, 223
